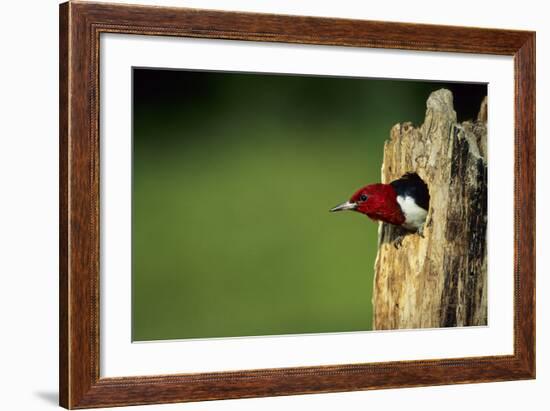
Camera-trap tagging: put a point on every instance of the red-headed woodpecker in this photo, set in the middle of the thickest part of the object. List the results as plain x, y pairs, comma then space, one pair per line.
403, 202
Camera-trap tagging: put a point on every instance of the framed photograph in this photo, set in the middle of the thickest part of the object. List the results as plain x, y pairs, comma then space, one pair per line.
257, 205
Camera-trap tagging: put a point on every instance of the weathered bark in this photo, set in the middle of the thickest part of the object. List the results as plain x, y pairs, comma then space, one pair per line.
439, 280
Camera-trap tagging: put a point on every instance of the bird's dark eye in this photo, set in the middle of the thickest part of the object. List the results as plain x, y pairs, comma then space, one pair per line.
363, 197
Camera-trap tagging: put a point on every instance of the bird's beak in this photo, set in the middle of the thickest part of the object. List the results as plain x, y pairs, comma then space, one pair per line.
344, 206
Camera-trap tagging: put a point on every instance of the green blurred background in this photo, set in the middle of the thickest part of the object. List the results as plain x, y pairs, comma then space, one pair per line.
233, 177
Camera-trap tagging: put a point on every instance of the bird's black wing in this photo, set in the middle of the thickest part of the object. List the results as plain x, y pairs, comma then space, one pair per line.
412, 185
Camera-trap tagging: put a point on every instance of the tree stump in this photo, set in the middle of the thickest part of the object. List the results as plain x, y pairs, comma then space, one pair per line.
439, 280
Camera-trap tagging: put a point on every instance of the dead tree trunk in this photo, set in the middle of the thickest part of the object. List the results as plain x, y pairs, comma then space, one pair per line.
439, 280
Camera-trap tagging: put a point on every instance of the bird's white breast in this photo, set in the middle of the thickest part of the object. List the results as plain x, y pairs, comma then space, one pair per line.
414, 214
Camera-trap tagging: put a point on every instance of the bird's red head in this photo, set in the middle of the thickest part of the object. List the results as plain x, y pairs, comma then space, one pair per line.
377, 201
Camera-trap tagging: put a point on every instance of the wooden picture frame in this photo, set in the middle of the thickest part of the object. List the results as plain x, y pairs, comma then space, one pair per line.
80, 27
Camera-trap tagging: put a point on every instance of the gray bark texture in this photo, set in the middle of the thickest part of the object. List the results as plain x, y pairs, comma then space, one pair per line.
439, 280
